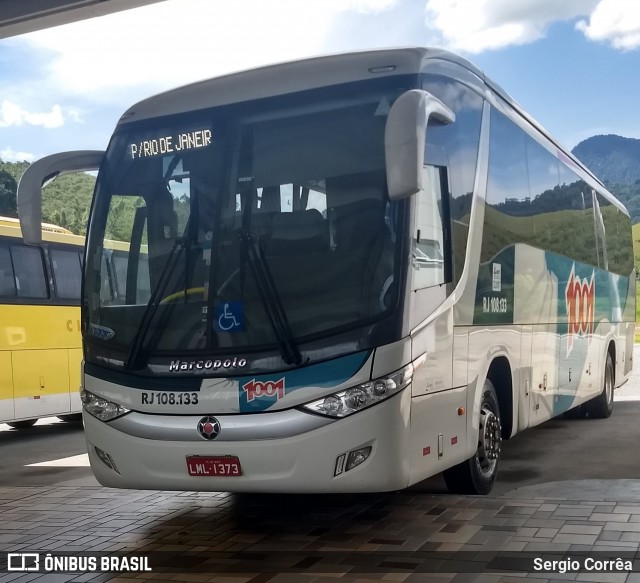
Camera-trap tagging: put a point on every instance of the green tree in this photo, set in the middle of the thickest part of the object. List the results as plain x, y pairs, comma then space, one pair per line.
66, 201
8, 189
14, 168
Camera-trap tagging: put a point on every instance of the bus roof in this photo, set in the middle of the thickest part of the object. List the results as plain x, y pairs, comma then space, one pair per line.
293, 76
289, 77
48, 227
10, 227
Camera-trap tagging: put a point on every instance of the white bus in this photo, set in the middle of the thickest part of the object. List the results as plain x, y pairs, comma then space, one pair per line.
366, 269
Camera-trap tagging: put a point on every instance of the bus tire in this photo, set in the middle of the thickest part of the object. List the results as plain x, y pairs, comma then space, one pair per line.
22, 424
477, 474
601, 406
578, 412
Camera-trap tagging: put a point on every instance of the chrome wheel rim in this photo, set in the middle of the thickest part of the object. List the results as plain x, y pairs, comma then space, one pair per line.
489, 440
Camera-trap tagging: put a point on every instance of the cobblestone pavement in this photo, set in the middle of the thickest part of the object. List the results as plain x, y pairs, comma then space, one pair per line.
405, 537
398, 537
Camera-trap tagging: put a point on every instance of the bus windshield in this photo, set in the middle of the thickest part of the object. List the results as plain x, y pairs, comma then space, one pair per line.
251, 226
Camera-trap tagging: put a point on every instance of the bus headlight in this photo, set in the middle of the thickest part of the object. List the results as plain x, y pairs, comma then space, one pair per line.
362, 396
101, 408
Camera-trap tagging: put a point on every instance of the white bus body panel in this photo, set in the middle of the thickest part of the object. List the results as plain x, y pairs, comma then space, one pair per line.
292, 464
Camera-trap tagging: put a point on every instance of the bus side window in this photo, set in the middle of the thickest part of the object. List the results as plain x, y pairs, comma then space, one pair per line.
66, 273
617, 229
29, 270
459, 141
7, 279
430, 254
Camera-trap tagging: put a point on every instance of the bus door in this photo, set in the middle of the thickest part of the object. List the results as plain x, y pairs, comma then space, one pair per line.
544, 368
42, 389
6, 386
526, 377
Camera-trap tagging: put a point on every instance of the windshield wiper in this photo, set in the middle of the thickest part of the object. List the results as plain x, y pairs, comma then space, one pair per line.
154, 301
271, 301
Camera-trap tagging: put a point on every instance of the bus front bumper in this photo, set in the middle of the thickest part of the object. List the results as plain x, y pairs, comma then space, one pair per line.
309, 462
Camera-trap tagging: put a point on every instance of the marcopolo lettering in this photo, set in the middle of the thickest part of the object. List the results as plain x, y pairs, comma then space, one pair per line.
205, 365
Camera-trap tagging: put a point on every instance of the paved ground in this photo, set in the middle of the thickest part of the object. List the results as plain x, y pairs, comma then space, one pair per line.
568, 487
219, 537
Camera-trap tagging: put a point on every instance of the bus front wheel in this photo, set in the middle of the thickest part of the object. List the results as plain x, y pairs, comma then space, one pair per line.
477, 474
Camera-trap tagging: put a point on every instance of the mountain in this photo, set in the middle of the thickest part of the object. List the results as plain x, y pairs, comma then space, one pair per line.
611, 158
616, 161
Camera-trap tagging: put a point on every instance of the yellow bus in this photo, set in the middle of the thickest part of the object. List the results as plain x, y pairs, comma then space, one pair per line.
40, 344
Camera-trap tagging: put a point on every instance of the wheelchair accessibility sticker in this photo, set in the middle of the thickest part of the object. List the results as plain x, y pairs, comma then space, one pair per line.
229, 317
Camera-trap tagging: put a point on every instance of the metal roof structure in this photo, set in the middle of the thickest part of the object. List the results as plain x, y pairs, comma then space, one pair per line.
22, 16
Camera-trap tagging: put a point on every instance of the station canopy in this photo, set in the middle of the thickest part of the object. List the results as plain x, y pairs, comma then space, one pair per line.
22, 16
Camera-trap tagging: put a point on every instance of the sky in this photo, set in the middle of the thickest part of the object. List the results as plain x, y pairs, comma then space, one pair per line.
574, 65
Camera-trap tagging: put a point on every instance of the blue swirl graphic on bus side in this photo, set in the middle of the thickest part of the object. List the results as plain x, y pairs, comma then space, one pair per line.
259, 392
586, 296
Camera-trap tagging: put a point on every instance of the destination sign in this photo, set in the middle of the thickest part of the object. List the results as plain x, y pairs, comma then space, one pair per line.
170, 144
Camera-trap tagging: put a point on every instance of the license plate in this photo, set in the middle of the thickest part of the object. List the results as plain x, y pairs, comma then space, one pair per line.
222, 466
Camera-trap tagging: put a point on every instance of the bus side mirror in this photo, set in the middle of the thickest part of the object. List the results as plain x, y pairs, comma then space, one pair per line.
405, 138
39, 174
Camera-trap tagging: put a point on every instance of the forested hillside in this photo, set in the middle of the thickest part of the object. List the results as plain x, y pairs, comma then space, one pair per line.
65, 202
612, 158
629, 195
616, 161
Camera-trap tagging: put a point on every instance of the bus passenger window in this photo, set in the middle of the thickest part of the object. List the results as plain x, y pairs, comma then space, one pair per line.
617, 227
29, 270
66, 273
428, 252
7, 279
